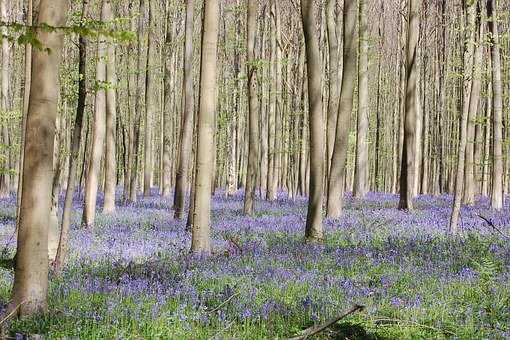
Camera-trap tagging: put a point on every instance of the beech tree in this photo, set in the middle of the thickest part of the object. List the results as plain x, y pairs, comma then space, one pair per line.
200, 241
30, 287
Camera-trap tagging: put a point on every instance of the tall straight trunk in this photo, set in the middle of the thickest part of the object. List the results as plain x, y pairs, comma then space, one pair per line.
26, 95
5, 102
271, 119
361, 171
30, 287
167, 104
182, 174
75, 149
201, 239
334, 80
111, 119
467, 84
339, 157
314, 229
411, 96
150, 105
98, 131
139, 86
474, 99
253, 153
497, 109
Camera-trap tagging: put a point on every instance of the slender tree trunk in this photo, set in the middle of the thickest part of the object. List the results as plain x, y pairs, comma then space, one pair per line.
497, 199
30, 288
334, 80
361, 168
5, 104
150, 106
467, 83
407, 167
98, 131
181, 179
253, 153
140, 81
200, 240
314, 229
111, 119
339, 158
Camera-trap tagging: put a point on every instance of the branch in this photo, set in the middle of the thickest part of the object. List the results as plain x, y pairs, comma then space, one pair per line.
317, 329
491, 224
223, 303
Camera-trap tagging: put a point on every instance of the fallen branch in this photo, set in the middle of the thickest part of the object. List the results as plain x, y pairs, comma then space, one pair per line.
380, 321
223, 303
12, 312
491, 224
305, 334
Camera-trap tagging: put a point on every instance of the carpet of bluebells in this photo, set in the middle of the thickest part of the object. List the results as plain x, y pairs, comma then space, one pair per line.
132, 276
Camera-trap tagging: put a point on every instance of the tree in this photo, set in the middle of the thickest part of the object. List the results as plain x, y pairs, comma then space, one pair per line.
150, 107
497, 108
253, 153
182, 174
361, 168
111, 120
200, 240
98, 128
407, 170
339, 157
468, 71
314, 230
75, 146
30, 288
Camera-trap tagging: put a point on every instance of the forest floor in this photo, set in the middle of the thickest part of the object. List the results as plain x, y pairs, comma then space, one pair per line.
132, 276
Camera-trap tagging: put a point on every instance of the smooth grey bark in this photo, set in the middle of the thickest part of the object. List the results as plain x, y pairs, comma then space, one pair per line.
411, 96
314, 230
361, 170
201, 239
111, 119
182, 173
253, 114
98, 131
337, 172
30, 288
497, 199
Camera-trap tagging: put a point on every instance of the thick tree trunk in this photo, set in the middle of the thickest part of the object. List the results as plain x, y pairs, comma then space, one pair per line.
314, 229
339, 158
201, 239
30, 288
411, 96
253, 153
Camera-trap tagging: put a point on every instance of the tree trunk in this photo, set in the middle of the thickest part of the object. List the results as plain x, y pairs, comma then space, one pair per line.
314, 229
338, 160
30, 288
111, 119
411, 96
497, 109
200, 240
150, 106
98, 131
361, 167
182, 174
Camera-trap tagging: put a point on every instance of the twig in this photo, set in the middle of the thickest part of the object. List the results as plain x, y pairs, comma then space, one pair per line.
414, 323
223, 303
317, 329
491, 224
11, 313
235, 243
